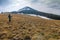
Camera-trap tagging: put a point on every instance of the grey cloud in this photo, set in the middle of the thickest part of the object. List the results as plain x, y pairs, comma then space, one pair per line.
55, 4
4, 2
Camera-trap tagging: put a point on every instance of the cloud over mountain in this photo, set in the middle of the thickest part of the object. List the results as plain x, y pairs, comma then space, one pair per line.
51, 6
4, 2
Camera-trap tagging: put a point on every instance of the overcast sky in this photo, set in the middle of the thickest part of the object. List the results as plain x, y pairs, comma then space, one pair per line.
50, 6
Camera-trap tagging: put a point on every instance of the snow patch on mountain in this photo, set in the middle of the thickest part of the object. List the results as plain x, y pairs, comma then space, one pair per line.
40, 16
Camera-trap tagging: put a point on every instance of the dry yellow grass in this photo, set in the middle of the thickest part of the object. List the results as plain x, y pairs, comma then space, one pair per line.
34, 27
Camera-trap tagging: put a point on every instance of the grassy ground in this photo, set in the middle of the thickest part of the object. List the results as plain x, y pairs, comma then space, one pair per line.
23, 26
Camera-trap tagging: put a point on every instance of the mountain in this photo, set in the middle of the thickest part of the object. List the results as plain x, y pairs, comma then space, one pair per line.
29, 10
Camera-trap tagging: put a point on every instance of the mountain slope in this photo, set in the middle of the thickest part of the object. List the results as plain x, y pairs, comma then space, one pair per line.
28, 10
23, 27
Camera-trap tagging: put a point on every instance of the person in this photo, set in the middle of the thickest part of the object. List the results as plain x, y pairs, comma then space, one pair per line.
9, 17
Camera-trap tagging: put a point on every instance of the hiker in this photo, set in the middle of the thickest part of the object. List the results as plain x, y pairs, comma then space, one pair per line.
9, 17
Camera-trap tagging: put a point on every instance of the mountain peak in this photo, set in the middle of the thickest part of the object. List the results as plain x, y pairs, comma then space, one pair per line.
26, 8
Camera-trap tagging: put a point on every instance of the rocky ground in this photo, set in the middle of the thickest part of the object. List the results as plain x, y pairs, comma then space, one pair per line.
23, 27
